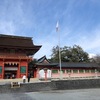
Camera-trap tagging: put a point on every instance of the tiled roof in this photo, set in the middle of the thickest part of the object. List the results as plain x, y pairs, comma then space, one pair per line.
72, 65
46, 64
26, 43
10, 40
79, 65
67, 64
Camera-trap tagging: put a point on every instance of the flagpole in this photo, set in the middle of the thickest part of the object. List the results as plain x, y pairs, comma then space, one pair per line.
57, 29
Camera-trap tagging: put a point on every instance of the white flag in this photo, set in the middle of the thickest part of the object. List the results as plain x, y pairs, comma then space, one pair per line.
57, 26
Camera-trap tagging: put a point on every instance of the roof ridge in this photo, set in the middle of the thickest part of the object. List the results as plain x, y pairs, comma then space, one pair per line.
14, 36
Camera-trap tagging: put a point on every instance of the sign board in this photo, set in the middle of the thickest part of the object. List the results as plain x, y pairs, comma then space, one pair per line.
15, 84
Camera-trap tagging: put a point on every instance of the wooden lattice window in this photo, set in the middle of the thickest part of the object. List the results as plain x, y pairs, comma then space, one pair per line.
54, 71
86, 71
75, 71
0, 69
63, 71
93, 71
81, 71
68, 70
23, 69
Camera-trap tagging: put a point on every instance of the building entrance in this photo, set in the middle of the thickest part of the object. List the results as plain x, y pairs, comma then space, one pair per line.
10, 74
10, 70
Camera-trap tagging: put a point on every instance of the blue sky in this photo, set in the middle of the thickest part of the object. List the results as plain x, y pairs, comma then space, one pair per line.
79, 23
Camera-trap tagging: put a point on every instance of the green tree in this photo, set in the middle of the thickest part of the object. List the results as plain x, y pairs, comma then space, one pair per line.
54, 55
69, 54
32, 63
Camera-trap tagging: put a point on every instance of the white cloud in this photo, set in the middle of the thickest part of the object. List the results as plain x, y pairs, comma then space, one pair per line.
7, 27
92, 55
90, 42
95, 42
11, 16
44, 50
47, 43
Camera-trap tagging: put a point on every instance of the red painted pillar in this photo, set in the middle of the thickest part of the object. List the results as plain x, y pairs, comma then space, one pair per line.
34, 72
18, 71
45, 71
3, 70
27, 69
37, 73
45, 75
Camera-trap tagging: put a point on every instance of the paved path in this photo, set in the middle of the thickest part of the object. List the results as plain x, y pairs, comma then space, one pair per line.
81, 94
5, 81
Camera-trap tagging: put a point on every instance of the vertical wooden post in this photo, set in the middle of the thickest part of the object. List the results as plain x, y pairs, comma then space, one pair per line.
3, 70
45, 71
27, 68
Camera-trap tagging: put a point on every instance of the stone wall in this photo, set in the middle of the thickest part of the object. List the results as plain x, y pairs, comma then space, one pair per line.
53, 85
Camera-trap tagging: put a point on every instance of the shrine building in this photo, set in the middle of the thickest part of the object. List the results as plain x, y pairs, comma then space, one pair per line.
15, 54
45, 69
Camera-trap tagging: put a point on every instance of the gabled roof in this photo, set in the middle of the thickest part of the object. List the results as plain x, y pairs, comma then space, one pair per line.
43, 60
